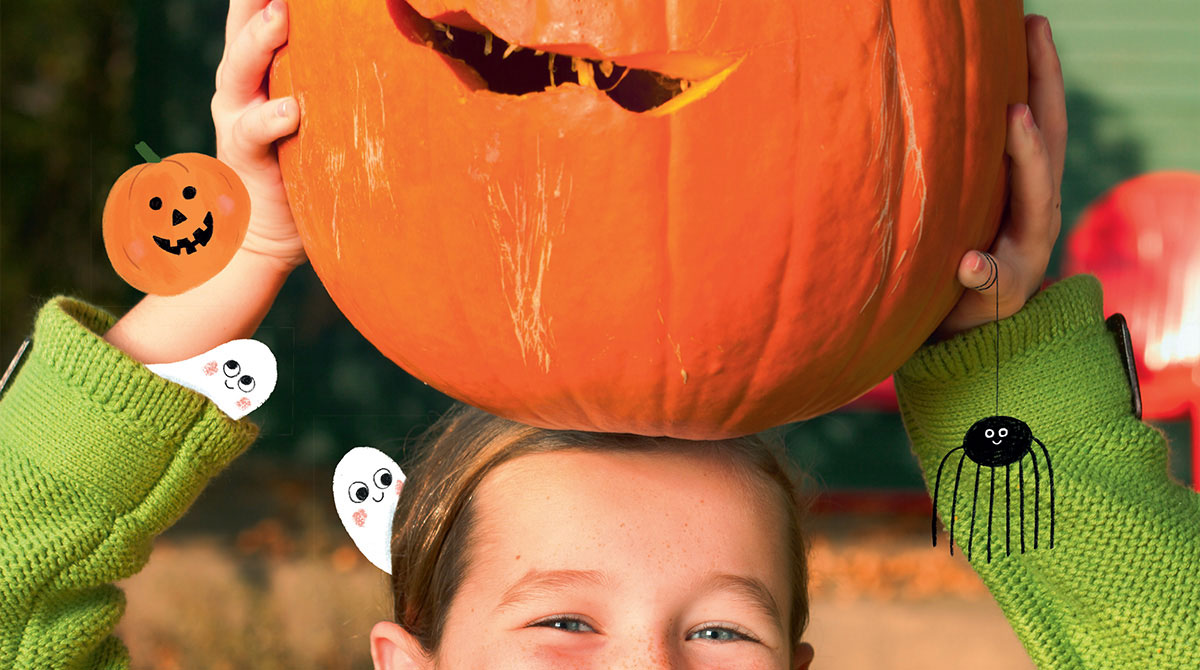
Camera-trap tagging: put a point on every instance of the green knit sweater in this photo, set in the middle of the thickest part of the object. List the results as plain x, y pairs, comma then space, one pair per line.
97, 456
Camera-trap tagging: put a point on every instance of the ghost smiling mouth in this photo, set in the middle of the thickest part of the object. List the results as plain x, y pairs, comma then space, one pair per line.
199, 238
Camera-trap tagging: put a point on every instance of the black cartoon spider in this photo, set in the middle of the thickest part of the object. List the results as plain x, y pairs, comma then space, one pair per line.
998, 442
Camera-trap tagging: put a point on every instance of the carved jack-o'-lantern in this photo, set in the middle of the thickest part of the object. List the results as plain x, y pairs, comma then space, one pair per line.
690, 218
170, 224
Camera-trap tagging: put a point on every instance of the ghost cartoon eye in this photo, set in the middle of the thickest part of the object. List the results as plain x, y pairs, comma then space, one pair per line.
988, 432
383, 478
246, 384
232, 369
359, 492
1003, 432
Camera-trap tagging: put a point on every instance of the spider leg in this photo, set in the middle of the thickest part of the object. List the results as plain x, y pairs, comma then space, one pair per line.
1050, 475
974, 499
1021, 487
1007, 507
936, 487
1037, 500
991, 503
954, 502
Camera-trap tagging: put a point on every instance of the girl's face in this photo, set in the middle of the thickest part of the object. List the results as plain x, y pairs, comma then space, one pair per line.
616, 560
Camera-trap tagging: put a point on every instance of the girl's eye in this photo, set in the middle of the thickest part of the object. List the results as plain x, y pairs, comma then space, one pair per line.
567, 624
721, 634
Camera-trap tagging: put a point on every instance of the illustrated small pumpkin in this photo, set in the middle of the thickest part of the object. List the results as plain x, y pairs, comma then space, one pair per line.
172, 223
697, 219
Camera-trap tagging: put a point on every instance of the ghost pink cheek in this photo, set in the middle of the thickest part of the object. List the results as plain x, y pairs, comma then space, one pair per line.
399, 485
244, 403
210, 368
360, 518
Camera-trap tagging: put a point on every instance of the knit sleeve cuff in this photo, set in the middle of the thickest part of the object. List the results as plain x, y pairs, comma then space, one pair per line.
99, 419
1059, 368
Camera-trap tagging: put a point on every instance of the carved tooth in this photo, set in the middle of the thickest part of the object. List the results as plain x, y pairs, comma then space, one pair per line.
684, 84
449, 35
511, 48
487, 44
606, 66
552, 70
538, 52
583, 69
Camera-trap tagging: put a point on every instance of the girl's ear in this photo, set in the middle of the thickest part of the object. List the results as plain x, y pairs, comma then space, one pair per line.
393, 648
801, 658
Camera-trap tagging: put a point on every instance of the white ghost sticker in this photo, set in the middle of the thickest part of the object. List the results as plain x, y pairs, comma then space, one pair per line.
237, 376
366, 485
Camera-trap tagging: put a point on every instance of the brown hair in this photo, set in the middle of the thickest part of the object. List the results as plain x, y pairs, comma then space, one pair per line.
434, 517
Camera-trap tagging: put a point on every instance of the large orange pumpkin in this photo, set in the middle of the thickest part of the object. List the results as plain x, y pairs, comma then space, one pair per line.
761, 228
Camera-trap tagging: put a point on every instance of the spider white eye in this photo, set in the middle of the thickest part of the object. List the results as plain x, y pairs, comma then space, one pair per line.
988, 433
1003, 432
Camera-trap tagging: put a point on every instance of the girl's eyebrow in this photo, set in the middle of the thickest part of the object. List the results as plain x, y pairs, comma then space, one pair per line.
543, 582
750, 589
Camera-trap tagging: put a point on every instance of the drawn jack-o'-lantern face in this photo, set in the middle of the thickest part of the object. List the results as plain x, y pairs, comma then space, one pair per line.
171, 225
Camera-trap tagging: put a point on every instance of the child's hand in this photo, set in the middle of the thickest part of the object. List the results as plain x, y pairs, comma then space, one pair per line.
1033, 218
232, 304
247, 124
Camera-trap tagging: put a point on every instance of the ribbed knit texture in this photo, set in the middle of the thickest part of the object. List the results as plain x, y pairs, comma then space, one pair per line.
97, 456
1121, 587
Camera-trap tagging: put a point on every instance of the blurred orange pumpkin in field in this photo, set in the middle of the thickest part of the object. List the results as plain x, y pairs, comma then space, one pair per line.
696, 219
171, 224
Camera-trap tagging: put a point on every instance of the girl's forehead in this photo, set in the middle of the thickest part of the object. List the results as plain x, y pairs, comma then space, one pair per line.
636, 509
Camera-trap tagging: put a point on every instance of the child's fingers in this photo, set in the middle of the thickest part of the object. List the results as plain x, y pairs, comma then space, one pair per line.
259, 126
1047, 97
240, 11
247, 57
991, 275
1034, 214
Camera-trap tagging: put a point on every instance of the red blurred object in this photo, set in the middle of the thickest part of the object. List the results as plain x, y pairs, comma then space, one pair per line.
882, 398
1142, 239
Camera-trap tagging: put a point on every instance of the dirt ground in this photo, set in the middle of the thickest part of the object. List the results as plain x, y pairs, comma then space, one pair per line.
260, 575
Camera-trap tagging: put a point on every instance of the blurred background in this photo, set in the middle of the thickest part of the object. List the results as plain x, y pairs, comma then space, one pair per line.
260, 573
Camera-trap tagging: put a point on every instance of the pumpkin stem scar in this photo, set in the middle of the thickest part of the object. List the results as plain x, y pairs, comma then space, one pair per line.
147, 153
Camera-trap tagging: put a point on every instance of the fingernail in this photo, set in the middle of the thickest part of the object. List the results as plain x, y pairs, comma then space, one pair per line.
1027, 119
977, 266
266, 13
1049, 32
284, 108
271, 10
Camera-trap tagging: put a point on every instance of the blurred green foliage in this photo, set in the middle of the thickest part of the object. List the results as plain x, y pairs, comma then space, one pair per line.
83, 81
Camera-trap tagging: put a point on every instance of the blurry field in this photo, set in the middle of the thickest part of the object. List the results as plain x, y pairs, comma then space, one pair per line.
260, 575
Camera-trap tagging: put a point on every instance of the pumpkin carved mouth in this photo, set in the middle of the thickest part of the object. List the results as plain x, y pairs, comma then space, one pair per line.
513, 69
200, 237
